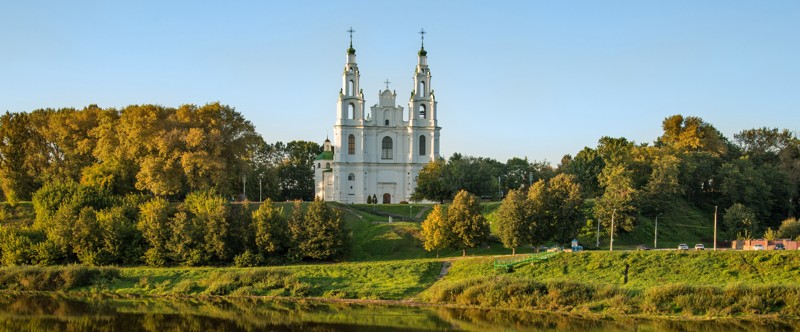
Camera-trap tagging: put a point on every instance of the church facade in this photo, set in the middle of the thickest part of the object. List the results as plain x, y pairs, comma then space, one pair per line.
378, 152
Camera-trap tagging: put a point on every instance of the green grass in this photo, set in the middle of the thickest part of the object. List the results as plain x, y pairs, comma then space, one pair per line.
404, 210
662, 283
651, 268
393, 280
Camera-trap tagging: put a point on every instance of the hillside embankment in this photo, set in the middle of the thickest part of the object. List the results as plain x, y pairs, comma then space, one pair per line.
659, 283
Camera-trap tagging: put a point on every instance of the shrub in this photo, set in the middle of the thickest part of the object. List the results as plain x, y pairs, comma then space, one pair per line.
247, 259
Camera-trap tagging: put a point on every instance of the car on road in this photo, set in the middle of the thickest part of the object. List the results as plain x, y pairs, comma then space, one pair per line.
699, 246
758, 247
780, 246
683, 246
642, 247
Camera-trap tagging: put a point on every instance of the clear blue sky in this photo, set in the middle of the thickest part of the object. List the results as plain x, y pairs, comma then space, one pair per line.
513, 78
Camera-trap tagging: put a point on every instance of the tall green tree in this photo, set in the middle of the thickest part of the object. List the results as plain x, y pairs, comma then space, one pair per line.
436, 232
209, 213
326, 234
564, 207
271, 229
586, 167
296, 172
469, 227
432, 184
618, 200
513, 221
154, 218
739, 220
17, 141
692, 134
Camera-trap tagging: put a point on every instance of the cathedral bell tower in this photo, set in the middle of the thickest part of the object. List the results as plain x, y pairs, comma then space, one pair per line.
351, 98
422, 105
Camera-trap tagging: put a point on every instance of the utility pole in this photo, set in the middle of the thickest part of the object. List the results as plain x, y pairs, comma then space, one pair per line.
500, 186
611, 245
715, 227
598, 234
244, 186
260, 175
655, 237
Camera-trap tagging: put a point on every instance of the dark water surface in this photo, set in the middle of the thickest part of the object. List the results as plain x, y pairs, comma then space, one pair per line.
38, 312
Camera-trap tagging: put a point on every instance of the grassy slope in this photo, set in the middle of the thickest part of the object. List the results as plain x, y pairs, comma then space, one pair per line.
650, 268
391, 280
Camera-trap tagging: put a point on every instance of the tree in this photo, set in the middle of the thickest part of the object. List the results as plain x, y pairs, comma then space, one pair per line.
475, 175
520, 173
770, 234
469, 227
296, 172
87, 239
586, 167
154, 217
297, 231
436, 232
326, 236
431, 183
764, 144
617, 200
513, 220
564, 209
790, 229
271, 229
663, 184
17, 142
692, 134
208, 212
738, 219
741, 182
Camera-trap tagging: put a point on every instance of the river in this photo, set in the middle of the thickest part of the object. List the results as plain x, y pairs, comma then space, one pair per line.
58, 312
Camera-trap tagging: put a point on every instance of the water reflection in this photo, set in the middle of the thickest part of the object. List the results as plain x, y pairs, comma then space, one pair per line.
48, 312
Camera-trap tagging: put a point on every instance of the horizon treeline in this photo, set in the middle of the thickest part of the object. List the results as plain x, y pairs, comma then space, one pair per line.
754, 179
151, 149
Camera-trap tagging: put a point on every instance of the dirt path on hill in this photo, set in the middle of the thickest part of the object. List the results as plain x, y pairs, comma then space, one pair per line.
445, 269
419, 214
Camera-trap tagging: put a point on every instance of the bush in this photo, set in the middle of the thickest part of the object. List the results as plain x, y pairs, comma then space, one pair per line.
247, 259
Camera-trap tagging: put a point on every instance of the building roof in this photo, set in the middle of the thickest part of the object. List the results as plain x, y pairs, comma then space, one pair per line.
325, 155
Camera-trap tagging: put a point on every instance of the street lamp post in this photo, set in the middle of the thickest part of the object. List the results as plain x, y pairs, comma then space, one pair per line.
611, 245
244, 186
655, 237
598, 234
715, 227
260, 176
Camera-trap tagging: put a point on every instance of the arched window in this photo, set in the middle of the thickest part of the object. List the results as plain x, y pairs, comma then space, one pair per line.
327, 165
351, 177
421, 88
351, 144
386, 148
386, 122
350, 87
422, 145
422, 111
351, 111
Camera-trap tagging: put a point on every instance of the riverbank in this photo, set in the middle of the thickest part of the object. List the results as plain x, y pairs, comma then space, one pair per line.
673, 284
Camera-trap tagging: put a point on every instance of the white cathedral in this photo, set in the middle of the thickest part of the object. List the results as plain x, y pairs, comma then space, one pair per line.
378, 153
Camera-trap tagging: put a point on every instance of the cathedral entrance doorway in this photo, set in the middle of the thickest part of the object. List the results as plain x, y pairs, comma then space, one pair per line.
387, 199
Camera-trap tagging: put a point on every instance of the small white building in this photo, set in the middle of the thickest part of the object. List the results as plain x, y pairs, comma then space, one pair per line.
378, 153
